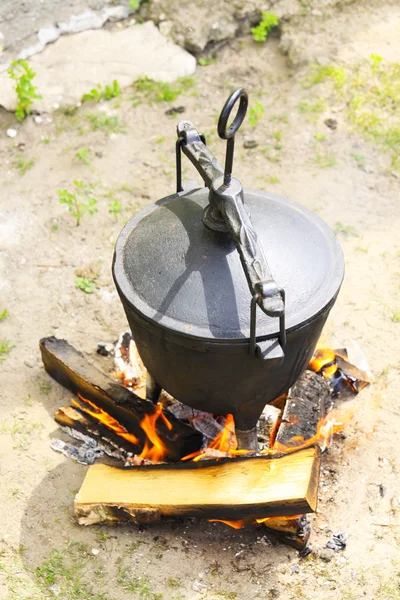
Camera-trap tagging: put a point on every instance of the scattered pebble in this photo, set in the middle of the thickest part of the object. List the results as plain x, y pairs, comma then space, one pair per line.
382, 491
29, 363
249, 143
175, 110
331, 123
197, 586
38, 119
12, 133
295, 568
95, 551
327, 554
55, 590
338, 541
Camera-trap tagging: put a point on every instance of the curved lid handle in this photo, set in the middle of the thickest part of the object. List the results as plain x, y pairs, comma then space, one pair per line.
226, 211
228, 133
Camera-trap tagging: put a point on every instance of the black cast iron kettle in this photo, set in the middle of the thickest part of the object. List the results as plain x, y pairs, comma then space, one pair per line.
191, 270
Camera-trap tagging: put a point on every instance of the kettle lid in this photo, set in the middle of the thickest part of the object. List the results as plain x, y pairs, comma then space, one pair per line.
190, 279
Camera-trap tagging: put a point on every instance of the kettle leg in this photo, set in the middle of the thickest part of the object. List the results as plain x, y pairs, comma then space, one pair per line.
153, 389
247, 439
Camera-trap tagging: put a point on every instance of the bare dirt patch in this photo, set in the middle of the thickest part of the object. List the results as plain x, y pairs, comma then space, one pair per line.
348, 180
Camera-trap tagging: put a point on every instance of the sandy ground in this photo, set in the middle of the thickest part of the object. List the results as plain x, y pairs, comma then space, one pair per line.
43, 553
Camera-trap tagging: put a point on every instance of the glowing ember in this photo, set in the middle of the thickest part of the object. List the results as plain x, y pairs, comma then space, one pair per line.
103, 417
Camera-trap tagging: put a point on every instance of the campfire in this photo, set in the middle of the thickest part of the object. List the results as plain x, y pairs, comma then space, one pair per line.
167, 459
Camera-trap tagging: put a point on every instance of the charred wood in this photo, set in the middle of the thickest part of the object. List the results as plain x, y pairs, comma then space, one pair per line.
71, 369
308, 401
74, 422
293, 532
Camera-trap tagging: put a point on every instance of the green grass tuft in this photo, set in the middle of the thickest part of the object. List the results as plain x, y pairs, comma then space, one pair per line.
268, 22
160, 91
5, 348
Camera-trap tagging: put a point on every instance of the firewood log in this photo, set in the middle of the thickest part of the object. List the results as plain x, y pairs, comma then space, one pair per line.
70, 368
306, 404
228, 489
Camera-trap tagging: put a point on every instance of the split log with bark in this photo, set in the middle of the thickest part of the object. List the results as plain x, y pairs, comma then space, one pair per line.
227, 489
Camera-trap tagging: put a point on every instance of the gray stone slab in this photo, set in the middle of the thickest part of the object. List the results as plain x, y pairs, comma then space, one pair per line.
75, 64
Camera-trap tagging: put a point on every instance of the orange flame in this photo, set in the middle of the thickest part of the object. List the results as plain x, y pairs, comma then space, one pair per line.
240, 523
324, 361
154, 449
226, 439
332, 423
235, 524
224, 443
103, 417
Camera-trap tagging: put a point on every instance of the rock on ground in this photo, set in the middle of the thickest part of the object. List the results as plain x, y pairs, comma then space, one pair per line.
77, 63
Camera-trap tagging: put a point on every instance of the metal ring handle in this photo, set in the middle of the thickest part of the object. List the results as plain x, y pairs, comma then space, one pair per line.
227, 133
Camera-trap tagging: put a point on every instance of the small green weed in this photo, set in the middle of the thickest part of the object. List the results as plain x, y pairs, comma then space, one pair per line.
29, 401
16, 493
204, 61
268, 22
395, 316
83, 155
160, 91
102, 121
84, 284
5, 349
360, 159
273, 179
318, 106
134, 4
319, 137
45, 139
44, 387
256, 112
4, 314
23, 165
107, 93
345, 229
325, 160
114, 208
23, 75
101, 536
321, 73
79, 201
174, 582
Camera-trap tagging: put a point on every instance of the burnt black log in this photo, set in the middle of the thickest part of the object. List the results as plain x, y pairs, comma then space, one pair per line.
71, 369
308, 401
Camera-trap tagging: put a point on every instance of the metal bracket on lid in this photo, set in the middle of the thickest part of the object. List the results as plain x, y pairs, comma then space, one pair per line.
178, 150
268, 349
